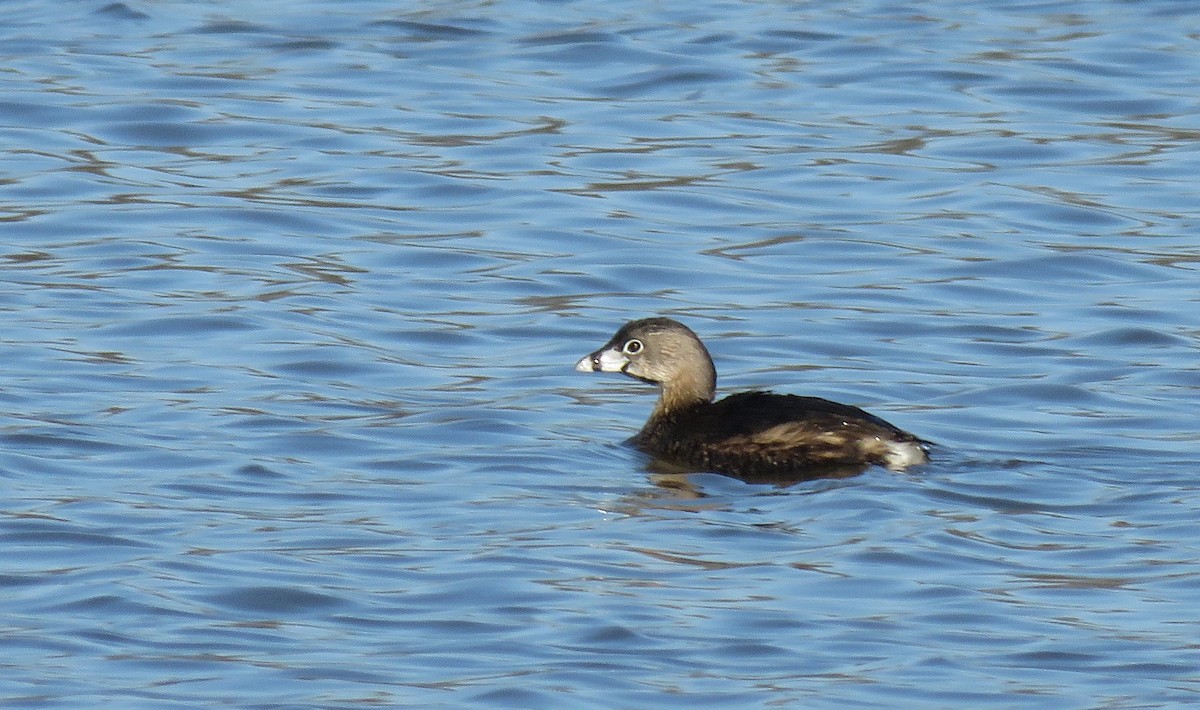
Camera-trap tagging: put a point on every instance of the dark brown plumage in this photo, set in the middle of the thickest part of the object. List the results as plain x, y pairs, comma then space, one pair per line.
753, 435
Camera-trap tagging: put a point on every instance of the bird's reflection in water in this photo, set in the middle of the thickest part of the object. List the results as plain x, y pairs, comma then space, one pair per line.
680, 488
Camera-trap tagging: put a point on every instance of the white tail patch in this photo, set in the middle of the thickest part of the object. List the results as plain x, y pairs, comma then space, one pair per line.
899, 455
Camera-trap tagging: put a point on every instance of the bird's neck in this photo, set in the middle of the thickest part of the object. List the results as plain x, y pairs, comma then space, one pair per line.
686, 390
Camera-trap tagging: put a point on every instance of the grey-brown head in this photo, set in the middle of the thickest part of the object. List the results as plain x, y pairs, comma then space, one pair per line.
662, 351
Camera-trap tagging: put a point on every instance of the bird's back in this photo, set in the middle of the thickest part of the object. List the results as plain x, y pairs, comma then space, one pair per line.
760, 434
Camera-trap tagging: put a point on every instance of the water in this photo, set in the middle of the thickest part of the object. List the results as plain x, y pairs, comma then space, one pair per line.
291, 294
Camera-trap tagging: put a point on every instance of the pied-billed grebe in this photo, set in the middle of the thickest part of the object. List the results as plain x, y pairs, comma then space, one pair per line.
751, 434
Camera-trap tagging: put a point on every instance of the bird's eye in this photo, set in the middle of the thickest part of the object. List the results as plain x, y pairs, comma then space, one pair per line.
633, 347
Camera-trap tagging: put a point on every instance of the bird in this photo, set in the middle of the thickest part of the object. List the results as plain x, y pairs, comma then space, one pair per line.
754, 435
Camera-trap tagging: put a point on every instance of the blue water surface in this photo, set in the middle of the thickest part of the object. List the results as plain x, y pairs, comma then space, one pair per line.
290, 296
